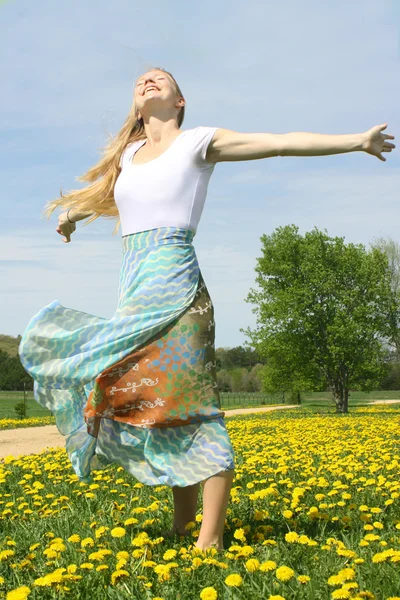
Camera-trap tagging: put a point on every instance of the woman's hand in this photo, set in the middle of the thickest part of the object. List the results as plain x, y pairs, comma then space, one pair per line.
65, 227
375, 142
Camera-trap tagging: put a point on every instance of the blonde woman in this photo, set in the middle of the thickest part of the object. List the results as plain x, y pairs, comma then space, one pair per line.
140, 389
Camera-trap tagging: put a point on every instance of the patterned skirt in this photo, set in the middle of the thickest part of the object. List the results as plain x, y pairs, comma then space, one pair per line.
138, 389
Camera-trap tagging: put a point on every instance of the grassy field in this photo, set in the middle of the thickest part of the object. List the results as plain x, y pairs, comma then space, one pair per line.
317, 400
314, 514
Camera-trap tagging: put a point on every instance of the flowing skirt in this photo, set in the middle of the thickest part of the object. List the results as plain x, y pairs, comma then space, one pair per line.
138, 389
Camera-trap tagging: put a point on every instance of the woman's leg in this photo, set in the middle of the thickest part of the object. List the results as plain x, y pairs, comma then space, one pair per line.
216, 492
185, 507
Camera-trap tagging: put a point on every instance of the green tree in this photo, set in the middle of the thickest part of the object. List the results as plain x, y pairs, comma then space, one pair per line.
224, 380
254, 378
239, 356
321, 308
392, 250
239, 377
12, 373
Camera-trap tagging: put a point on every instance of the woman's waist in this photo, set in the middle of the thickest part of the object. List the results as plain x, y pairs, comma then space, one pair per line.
159, 236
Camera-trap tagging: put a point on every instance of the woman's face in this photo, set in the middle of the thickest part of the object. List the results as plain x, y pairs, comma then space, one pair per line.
161, 93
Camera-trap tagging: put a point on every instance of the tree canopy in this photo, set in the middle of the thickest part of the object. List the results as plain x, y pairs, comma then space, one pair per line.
323, 310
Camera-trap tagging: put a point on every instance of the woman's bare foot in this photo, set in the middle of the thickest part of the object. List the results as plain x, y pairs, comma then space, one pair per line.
175, 531
219, 545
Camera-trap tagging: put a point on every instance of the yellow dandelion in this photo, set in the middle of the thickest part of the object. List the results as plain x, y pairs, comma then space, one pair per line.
121, 563
239, 534
48, 579
100, 531
234, 580
141, 540
252, 565
74, 538
118, 532
169, 554
196, 562
268, 565
245, 551
6, 554
380, 557
131, 521
208, 593
86, 565
303, 578
160, 569
72, 568
284, 573
19, 593
291, 537
95, 556
116, 575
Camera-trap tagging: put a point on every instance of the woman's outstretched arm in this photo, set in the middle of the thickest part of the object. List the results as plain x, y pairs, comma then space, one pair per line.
227, 145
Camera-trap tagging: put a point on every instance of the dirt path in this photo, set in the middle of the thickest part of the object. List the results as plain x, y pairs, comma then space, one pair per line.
385, 402
32, 440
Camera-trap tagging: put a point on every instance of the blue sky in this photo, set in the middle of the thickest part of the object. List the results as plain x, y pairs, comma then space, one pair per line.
67, 74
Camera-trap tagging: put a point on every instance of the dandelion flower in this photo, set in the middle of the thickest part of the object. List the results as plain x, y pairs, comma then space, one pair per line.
123, 554
116, 575
87, 565
118, 532
291, 537
268, 565
74, 538
208, 593
20, 593
252, 565
234, 580
6, 554
284, 573
239, 535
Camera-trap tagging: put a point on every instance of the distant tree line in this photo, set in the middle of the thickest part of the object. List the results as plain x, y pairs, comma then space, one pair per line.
239, 369
12, 374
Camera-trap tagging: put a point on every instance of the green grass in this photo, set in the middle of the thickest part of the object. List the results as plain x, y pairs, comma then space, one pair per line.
8, 400
345, 468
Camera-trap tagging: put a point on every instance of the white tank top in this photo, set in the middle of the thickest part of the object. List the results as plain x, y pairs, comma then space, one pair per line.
168, 191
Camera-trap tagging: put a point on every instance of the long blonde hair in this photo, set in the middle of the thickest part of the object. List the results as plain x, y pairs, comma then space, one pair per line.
98, 198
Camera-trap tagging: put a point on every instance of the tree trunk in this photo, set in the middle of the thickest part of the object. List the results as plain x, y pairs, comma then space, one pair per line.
342, 401
340, 391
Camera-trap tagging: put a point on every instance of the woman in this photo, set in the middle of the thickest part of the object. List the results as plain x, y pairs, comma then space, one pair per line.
140, 389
